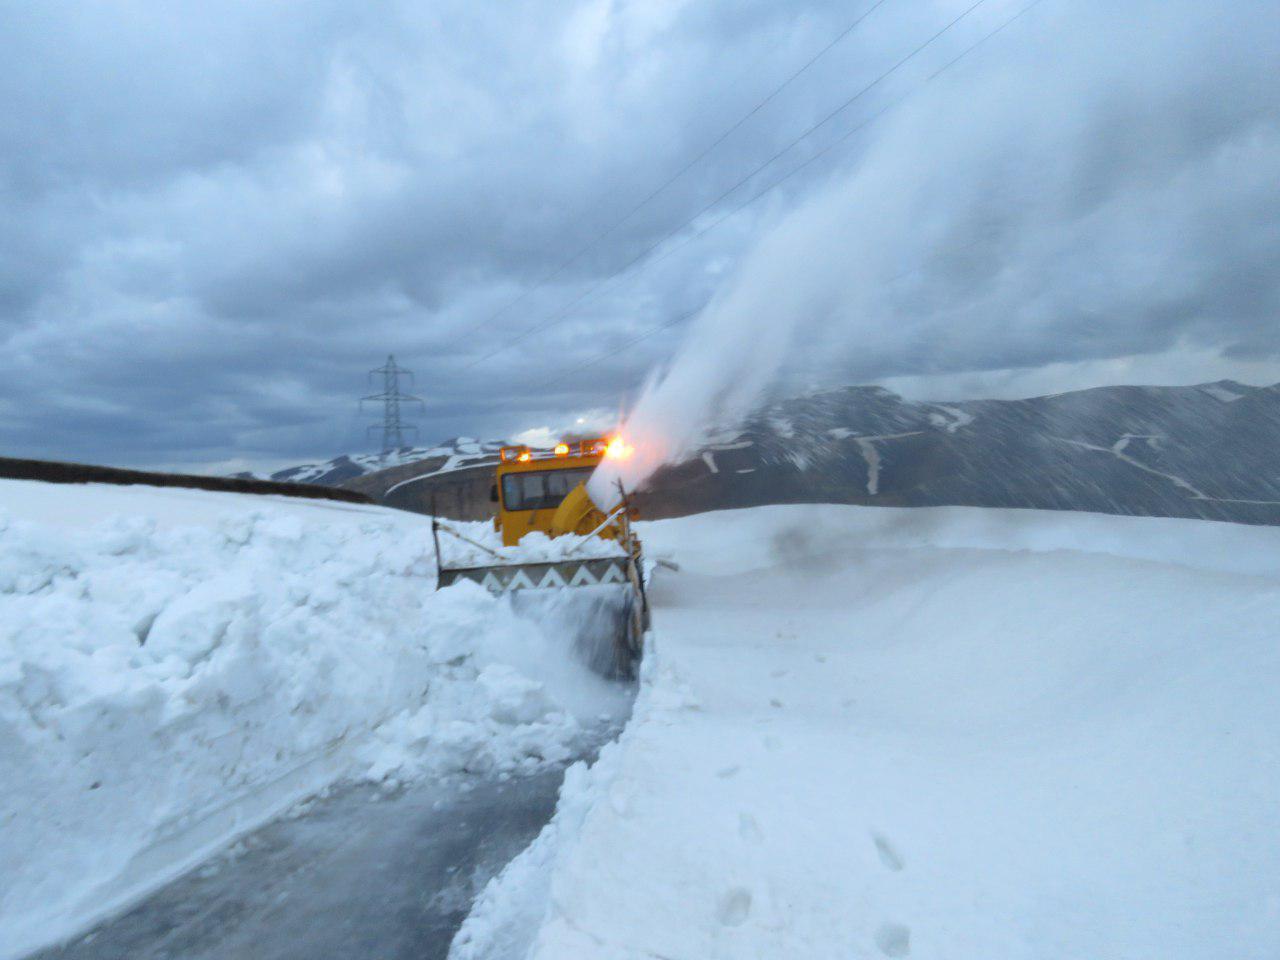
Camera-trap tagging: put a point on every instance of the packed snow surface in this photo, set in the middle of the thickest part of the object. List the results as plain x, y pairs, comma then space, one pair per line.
177, 666
943, 733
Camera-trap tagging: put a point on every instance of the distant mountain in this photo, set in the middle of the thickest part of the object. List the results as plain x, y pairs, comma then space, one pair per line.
1209, 451
450, 454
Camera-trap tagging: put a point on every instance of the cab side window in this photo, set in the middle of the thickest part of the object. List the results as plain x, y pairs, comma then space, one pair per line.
558, 484
535, 489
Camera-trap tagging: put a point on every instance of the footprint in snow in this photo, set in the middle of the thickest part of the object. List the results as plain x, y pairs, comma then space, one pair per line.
889, 854
893, 939
748, 829
734, 907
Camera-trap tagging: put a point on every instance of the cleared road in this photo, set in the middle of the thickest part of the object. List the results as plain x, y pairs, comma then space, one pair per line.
360, 874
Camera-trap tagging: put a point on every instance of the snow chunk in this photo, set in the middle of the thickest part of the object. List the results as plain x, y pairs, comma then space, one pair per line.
514, 698
485, 546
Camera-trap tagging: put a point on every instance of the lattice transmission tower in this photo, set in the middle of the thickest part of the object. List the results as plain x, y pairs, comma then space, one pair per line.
393, 426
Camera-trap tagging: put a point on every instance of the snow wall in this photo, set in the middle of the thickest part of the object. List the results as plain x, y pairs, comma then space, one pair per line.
178, 666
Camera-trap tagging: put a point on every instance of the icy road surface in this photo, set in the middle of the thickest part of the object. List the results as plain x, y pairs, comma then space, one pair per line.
953, 733
361, 874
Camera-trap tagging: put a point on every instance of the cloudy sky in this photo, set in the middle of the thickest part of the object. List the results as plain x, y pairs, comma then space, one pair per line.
216, 217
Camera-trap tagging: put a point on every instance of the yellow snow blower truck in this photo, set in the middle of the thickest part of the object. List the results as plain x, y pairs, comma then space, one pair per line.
589, 580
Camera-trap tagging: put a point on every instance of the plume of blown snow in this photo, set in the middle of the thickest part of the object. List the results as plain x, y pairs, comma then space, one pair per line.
1098, 182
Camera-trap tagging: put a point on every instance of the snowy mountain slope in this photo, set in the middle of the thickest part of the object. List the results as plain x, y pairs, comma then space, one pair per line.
928, 733
1205, 451
177, 666
1209, 451
443, 457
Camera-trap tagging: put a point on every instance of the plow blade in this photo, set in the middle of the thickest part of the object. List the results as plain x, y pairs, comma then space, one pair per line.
599, 603
501, 578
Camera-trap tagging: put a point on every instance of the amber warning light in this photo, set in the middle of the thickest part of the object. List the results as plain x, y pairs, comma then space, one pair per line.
562, 449
619, 449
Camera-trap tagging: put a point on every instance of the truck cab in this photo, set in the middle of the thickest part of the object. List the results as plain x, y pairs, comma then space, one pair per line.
546, 490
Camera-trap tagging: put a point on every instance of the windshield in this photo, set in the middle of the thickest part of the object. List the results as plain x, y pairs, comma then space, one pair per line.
540, 490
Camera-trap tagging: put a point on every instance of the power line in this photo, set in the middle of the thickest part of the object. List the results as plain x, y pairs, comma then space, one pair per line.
564, 375
595, 241
594, 288
751, 113
838, 141
559, 378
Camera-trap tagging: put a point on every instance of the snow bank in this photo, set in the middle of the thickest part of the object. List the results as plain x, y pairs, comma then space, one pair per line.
177, 666
951, 733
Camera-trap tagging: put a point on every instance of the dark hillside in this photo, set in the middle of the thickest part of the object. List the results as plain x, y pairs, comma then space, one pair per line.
1210, 451
50, 471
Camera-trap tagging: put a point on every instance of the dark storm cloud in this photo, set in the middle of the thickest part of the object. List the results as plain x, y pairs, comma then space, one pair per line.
217, 216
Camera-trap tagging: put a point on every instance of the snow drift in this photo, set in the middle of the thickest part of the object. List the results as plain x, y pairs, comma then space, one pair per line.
177, 666
935, 732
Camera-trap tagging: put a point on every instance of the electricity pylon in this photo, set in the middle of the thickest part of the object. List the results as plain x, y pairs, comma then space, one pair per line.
393, 427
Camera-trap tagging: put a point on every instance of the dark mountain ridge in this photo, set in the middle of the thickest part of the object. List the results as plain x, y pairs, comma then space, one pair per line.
1210, 451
